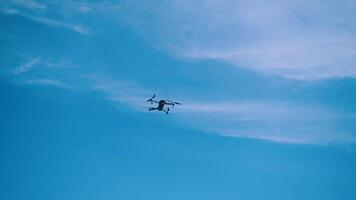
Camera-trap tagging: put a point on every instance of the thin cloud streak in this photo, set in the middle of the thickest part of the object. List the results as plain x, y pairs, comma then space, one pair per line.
26, 66
122, 92
49, 82
51, 22
56, 23
310, 139
63, 73
70, 14
29, 4
38, 62
277, 122
41, 17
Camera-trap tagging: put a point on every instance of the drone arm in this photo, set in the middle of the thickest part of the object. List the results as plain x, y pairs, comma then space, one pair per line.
152, 101
174, 102
152, 108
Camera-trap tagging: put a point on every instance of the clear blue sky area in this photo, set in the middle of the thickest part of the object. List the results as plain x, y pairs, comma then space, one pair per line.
268, 92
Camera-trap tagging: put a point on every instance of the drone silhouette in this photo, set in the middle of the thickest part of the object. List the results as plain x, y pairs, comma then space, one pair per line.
161, 104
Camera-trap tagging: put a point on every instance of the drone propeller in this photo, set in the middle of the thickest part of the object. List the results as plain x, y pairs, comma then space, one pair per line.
173, 102
150, 100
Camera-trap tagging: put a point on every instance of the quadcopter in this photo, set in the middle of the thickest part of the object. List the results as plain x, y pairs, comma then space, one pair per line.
161, 104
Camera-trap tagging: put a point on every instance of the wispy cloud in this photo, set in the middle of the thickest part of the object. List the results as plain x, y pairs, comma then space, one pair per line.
63, 73
277, 122
281, 122
62, 24
26, 66
66, 14
53, 23
30, 4
38, 62
49, 82
289, 38
75, 7
311, 138
119, 91
39, 12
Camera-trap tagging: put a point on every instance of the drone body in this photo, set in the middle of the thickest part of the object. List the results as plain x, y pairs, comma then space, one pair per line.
161, 104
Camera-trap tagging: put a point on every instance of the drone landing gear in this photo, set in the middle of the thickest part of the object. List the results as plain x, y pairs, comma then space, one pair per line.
152, 108
166, 111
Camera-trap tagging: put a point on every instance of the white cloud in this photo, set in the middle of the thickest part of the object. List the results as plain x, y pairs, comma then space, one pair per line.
295, 39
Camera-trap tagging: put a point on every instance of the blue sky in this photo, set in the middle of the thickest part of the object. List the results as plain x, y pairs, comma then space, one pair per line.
268, 93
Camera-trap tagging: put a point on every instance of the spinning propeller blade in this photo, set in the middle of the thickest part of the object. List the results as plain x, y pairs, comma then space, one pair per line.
150, 100
174, 102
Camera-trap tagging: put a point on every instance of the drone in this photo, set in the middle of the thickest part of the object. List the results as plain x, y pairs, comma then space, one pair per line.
161, 104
